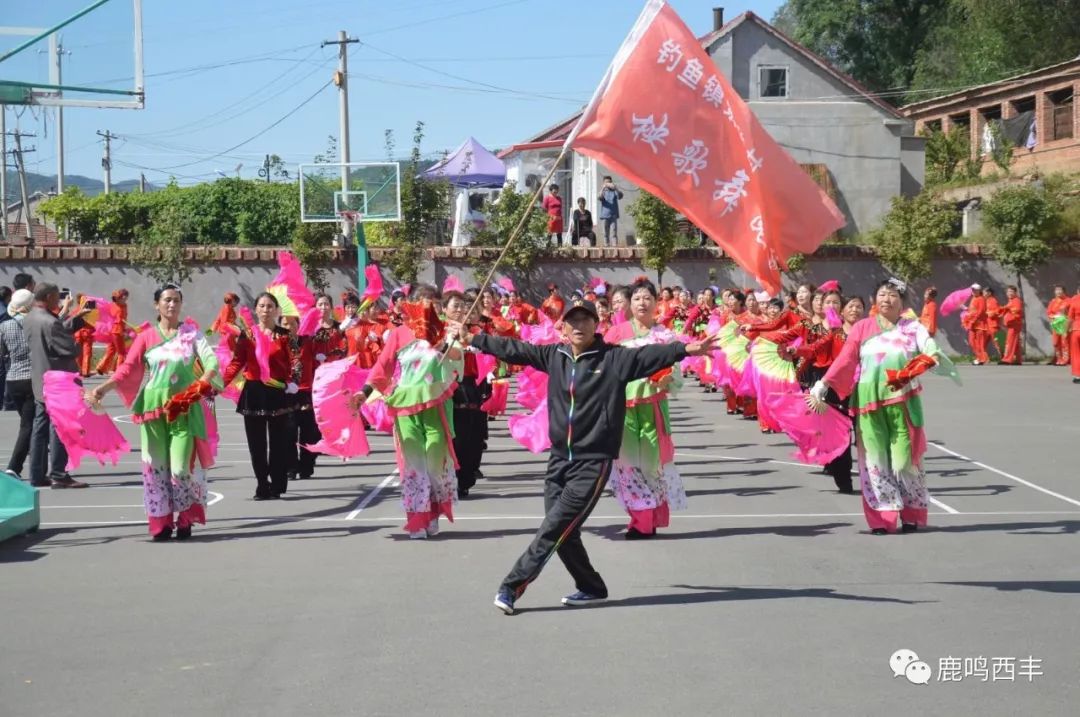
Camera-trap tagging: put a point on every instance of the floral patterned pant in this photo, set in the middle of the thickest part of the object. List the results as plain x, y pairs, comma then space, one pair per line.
170, 485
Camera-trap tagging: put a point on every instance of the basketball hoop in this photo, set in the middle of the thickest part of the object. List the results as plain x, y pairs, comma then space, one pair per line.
350, 216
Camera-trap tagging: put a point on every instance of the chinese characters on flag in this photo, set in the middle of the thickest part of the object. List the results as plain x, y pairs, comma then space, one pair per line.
666, 118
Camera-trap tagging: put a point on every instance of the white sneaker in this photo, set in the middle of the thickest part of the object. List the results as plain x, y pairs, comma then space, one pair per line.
13, 474
418, 535
433, 528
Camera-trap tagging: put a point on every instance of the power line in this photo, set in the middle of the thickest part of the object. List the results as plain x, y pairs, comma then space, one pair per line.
194, 69
470, 81
255, 136
512, 94
197, 125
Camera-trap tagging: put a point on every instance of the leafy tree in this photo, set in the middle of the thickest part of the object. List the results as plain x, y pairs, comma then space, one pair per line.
913, 232
948, 156
796, 263
331, 154
503, 218
978, 41
160, 250
657, 230
1024, 223
311, 247
872, 40
424, 203
72, 209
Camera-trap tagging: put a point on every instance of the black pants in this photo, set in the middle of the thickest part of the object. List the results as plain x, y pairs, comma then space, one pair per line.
308, 433
470, 440
840, 470
840, 467
270, 462
571, 491
21, 394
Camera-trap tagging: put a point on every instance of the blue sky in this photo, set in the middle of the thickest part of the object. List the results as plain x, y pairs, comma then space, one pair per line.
498, 70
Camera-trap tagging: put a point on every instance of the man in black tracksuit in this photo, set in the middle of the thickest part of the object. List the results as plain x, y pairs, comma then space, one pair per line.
586, 411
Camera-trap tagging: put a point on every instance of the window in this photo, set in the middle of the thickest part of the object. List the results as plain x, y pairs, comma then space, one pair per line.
1061, 114
772, 82
1024, 104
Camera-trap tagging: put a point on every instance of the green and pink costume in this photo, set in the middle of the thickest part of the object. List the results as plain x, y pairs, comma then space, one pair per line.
419, 384
890, 435
177, 454
644, 478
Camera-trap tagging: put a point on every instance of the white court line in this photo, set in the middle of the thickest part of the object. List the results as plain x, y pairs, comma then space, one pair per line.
944, 507
735, 459
1011, 477
537, 518
371, 496
217, 498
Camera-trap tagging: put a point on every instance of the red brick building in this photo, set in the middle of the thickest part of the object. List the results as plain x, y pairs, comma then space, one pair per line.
1037, 111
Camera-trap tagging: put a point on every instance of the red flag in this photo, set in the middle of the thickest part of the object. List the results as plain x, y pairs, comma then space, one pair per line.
666, 118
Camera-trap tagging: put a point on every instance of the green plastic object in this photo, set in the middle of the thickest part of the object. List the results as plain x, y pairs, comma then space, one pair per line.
20, 508
1060, 324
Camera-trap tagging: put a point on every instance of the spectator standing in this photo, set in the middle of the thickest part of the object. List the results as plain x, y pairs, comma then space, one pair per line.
23, 281
552, 204
5, 298
52, 348
583, 224
609, 210
16, 355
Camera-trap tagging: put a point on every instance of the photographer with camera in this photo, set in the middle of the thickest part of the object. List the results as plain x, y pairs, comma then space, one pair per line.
50, 328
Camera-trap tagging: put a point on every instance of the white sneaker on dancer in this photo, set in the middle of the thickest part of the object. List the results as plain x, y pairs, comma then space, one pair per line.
418, 535
433, 528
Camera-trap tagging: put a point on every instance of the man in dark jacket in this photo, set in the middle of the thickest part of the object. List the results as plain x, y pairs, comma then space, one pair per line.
586, 412
52, 348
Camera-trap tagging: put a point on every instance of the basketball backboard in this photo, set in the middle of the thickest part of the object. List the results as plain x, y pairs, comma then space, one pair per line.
104, 37
371, 189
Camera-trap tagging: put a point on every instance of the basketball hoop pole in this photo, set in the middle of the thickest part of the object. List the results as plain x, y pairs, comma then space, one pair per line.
361, 256
353, 223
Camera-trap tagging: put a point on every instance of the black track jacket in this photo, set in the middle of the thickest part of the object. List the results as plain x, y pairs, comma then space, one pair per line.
586, 395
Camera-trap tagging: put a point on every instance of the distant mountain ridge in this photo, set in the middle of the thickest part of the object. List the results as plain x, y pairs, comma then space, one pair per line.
47, 183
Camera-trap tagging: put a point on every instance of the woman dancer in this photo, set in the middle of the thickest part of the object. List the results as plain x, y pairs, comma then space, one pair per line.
470, 420
770, 369
114, 353
327, 344
817, 357
878, 366
270, 375
420, 400
804, 301
176, 425
736, 348
644, 478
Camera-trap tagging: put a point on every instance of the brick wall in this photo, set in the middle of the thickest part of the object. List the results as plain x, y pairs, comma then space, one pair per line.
1049, 155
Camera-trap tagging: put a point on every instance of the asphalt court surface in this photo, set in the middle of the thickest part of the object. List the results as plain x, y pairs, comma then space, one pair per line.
767, 595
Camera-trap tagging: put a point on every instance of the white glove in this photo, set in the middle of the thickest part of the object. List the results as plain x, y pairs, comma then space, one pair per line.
819, 390
320, 357
292, 388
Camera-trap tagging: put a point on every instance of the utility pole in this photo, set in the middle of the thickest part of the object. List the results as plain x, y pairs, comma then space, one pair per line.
142, 183
60, 52
341, 79
106, 160
3, 172
20, 165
